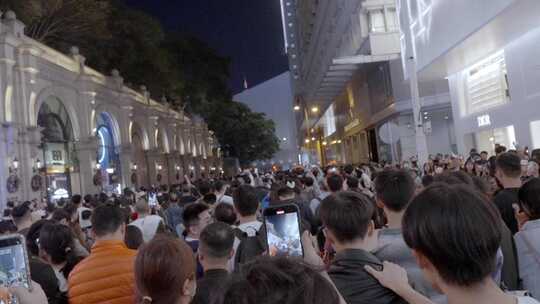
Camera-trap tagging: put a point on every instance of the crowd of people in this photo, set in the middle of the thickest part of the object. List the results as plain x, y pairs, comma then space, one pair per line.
455, 230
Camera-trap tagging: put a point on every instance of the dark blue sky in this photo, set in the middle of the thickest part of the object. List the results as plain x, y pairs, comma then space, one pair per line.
247, 31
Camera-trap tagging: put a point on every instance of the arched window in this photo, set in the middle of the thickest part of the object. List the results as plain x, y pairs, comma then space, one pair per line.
107, 156
54, 119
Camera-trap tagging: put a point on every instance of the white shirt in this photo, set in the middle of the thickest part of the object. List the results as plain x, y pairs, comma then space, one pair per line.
529, 268
148, 226
226, 199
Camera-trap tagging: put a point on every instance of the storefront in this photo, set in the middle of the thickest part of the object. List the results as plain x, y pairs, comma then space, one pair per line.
57, 148
108, 158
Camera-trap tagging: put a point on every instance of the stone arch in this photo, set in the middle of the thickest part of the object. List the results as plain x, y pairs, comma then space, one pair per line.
112, 113
136, 128
67, 96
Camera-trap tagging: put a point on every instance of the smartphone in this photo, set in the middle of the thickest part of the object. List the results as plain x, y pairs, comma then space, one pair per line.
152, 199
14, 264
283, 231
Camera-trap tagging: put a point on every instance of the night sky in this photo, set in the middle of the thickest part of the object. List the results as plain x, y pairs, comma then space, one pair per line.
247, 31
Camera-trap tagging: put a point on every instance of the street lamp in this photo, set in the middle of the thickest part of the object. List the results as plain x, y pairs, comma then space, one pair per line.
297, 108
315, 109
307, 140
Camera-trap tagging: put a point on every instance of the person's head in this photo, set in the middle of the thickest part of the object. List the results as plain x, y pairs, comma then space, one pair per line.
394, 189
352, 182
22, 215
7, 227
142, 207
205, 188
220, 187
71, 209
108, 222
334, 183
225, 213
61, 216
76, 200
246, 202
165, 272
279, 280
482, 186
32, 236
454, 233
173, 197
56, 246
347, 217
285, 193
427, 180
133, 238
210, 198
307, 181
484, 155
529, 196
196, 217
469, 166
499, 149
216, 246
508, 166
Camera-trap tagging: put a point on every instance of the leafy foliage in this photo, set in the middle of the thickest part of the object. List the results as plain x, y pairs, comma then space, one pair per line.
191, 75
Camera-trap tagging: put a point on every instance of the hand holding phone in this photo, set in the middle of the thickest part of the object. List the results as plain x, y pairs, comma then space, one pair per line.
14, 264
283, 231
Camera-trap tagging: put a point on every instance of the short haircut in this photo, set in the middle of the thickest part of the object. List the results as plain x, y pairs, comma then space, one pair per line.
217, 240
456, 229
347, 214
509, 164
279, 280
21, 211
500, 149
349, 169
107, 219
225, 213
133, 238
529, 196
335, 182
352, 182
308, 181
76, 199
395, 188
205, 188
285, 191
245, 200
219, 185
192, 212
454, 178
210, 198
61, 214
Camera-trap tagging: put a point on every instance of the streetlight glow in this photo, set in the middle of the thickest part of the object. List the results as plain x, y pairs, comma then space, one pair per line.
315, 109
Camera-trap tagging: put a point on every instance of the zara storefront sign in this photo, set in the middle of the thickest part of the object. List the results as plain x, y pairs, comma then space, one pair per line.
483, 120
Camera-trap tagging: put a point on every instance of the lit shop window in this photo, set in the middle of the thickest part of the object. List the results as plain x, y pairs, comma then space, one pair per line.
383, 19
487, 84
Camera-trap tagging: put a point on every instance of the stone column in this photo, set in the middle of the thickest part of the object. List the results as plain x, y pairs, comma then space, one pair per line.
124, 151
86, 151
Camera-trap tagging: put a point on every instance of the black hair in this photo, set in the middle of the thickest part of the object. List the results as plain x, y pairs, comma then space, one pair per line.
529, 196
7, 226
456, 229
347, 214
57, 241
219, 185
133, 237
33, 235
395, 188
210, 198
352, 182
308, 181
481, 185
217, 240
61, 214
225, 213
76, 199
349, 169
245, 200
285, 191
192, 212
106, 219
500, 149
335, 182
509, 163
279, 280
20, 211
453, 178
205, 188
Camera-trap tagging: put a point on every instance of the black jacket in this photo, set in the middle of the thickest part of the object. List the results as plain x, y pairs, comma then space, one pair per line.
211, 286
355, 284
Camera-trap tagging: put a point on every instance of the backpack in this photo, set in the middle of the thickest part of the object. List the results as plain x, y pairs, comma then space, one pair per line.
250, 247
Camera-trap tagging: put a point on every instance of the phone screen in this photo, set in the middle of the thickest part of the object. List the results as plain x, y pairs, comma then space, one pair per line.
14, 269
283, 231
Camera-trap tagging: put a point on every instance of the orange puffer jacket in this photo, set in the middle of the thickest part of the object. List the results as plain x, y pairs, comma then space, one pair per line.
105, 276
